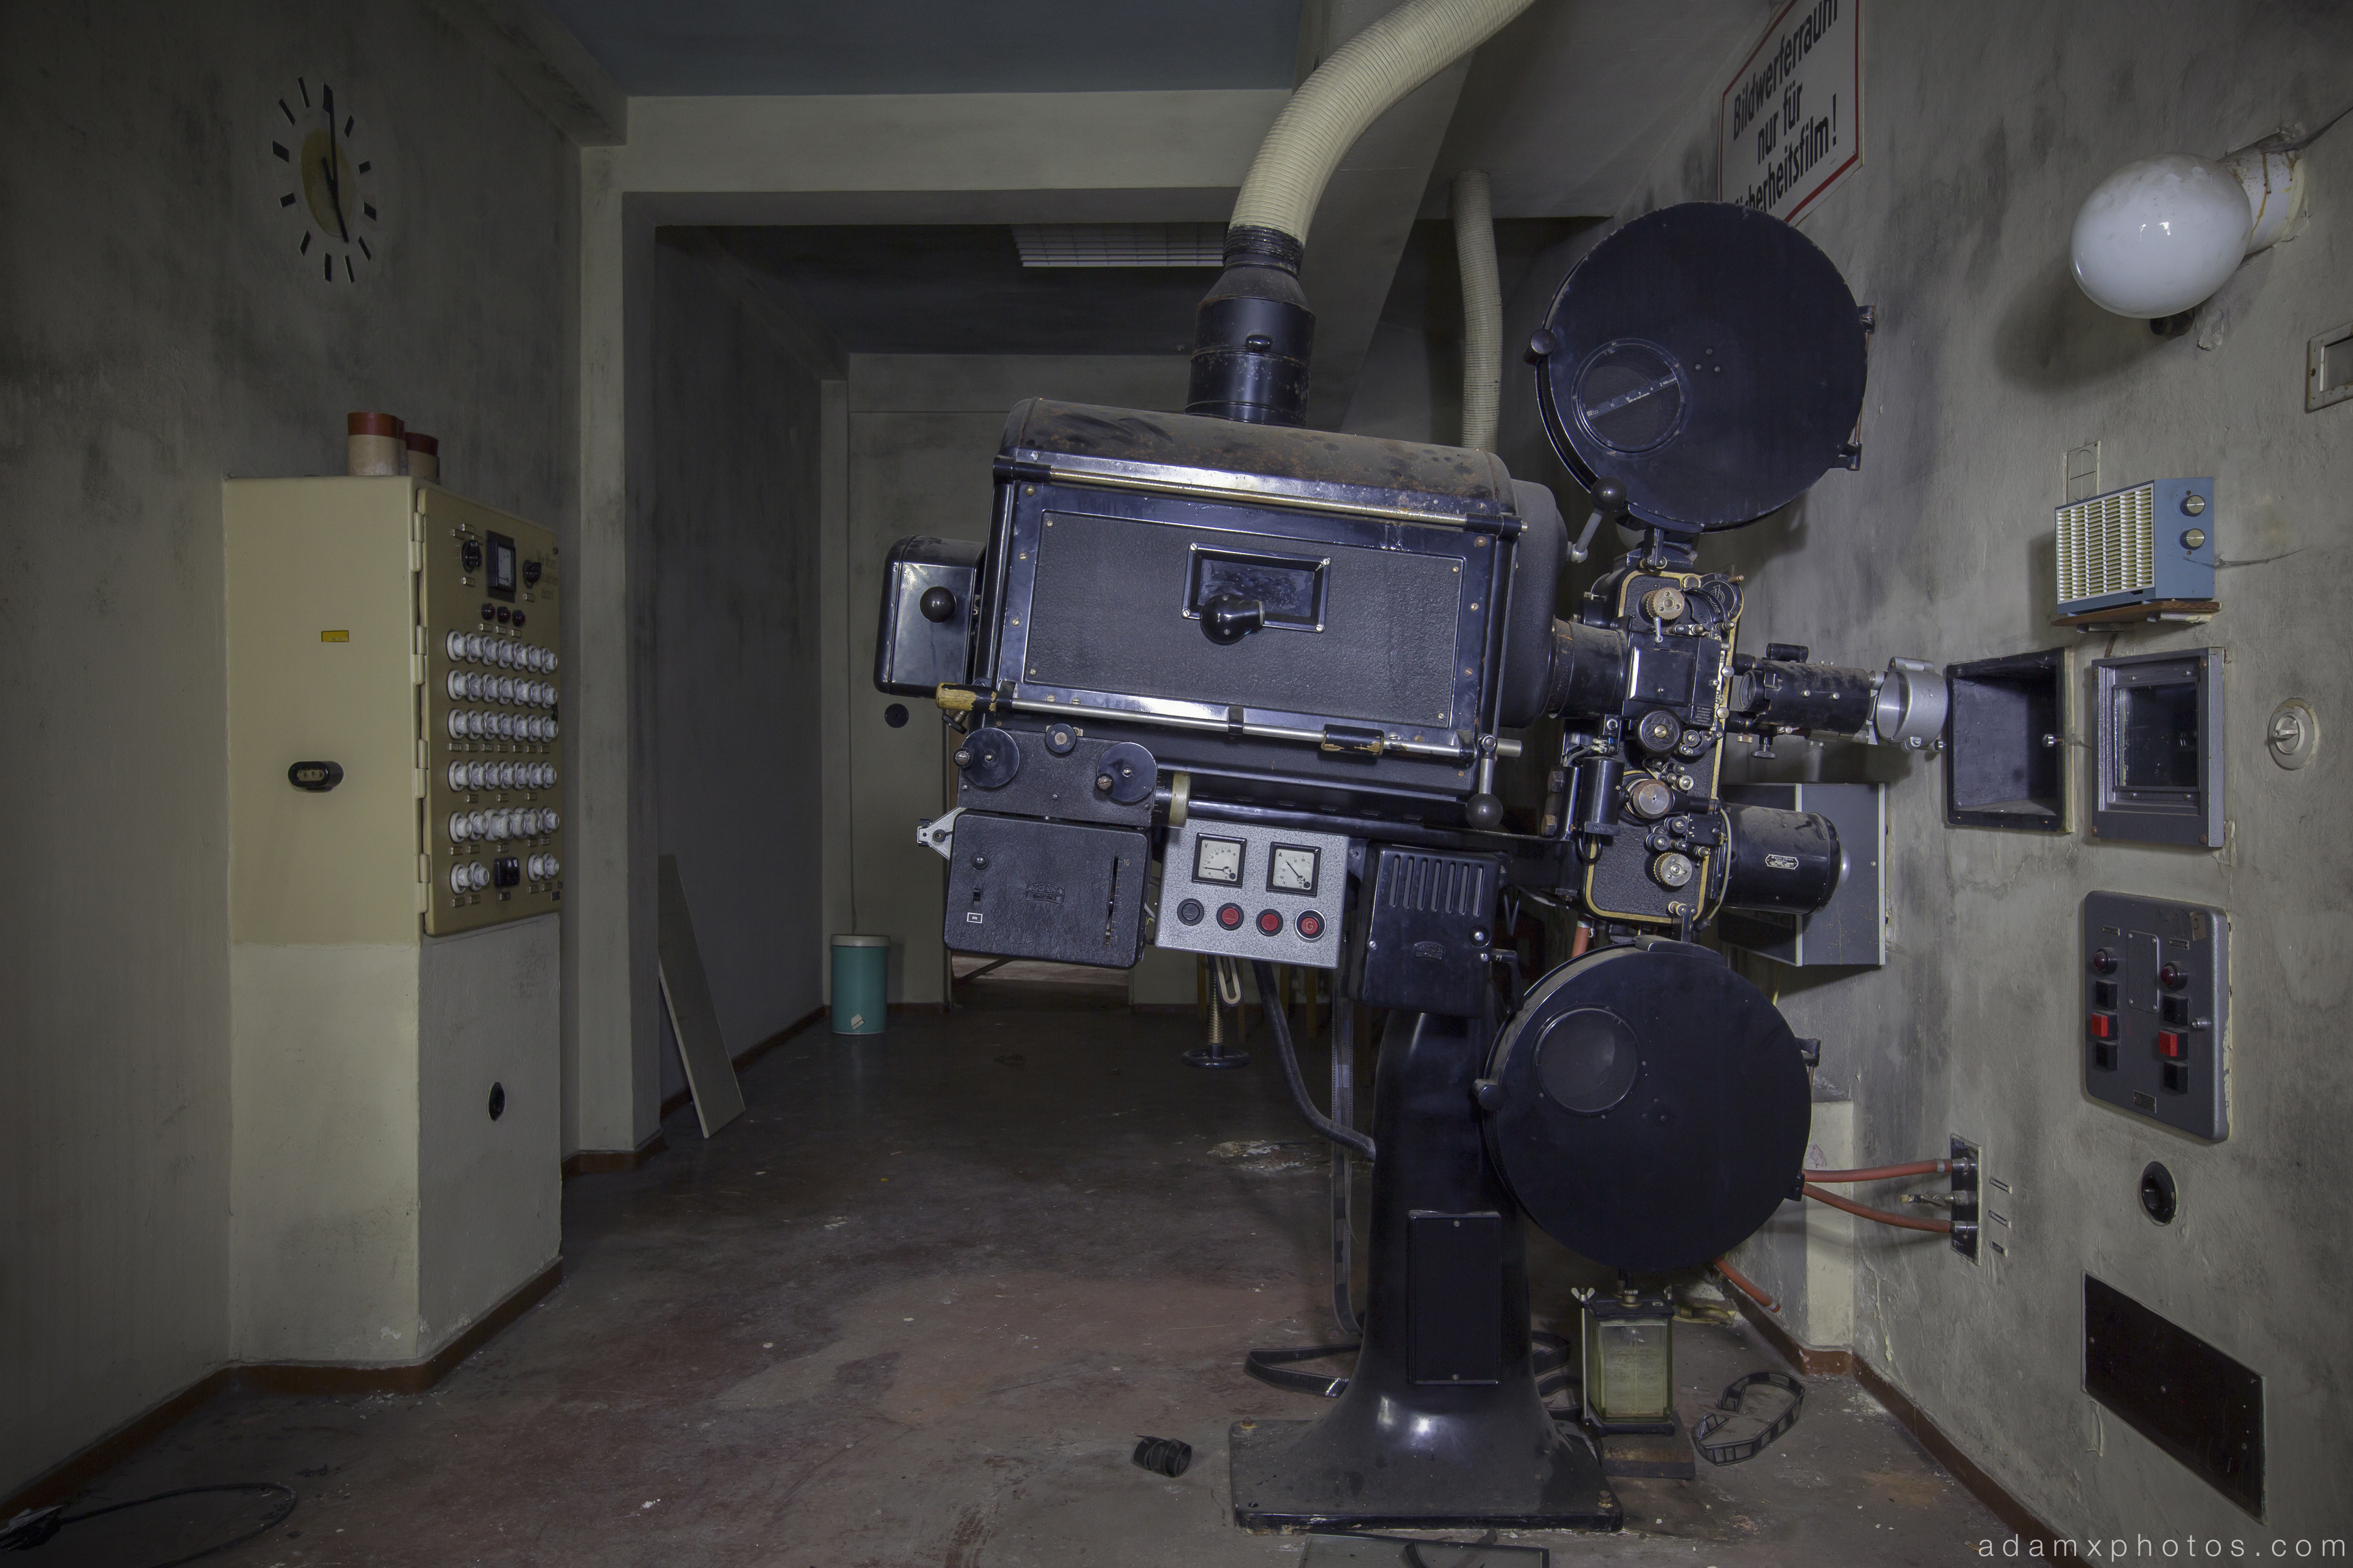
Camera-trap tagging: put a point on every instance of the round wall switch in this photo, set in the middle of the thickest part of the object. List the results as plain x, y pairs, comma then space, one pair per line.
2293, 736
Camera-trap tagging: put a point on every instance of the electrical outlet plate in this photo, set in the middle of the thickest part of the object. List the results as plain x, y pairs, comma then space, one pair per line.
1968, 1162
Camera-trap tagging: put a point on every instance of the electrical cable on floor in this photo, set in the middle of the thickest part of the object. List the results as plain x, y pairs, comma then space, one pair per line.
1878, 1217
34, 1526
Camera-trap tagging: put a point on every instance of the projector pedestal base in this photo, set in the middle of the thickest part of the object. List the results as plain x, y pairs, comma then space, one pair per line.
1440, 1423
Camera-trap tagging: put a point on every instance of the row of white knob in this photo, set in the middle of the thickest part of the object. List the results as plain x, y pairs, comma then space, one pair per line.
501, 776
529, 822
480, 726
465, 688
473, 647
473, 876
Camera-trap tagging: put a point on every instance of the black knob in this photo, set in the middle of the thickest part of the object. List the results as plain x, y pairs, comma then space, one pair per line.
1258, 343
937, 604
1229, 617
1609, 498
2104, 962
1482, 810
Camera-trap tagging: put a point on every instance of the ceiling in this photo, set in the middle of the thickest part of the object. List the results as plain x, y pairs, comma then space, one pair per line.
952, 288
1567, 110
1567, 106
688, 48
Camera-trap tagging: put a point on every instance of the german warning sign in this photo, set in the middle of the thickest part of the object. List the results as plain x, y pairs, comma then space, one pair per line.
1792, 125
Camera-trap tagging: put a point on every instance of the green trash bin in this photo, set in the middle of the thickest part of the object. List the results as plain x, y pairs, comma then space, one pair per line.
861, 978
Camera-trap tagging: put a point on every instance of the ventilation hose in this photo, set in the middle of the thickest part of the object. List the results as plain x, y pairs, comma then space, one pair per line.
1482, 309
1253, 334
1362, 81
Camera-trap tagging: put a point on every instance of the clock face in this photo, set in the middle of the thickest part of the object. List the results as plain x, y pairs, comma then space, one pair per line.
327, 181
1217, 860
1292, 869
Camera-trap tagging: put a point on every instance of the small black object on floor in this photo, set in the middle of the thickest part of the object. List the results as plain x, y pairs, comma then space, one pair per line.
1164, 1455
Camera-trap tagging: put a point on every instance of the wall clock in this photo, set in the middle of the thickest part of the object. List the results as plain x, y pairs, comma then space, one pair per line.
328, 183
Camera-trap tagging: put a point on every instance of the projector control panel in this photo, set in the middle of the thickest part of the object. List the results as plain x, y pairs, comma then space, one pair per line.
1239, 891
492, 730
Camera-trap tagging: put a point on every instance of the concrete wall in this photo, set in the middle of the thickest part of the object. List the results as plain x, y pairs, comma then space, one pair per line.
873, 158
1986, 127
923, 431
160, 332
734, 510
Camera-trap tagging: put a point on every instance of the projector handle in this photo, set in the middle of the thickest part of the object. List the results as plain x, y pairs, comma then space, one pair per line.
1610, 503
1229, 617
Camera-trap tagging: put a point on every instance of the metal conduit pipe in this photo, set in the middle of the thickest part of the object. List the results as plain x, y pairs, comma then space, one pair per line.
1483, 308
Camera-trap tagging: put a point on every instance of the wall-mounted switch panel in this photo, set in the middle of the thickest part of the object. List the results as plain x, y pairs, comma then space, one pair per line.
2156, 991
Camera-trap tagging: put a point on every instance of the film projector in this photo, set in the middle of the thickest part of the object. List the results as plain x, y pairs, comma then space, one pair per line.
1261, 692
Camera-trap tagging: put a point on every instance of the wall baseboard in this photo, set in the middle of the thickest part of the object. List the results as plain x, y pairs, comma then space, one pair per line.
2014, 1514
71, 1475
1805, 1358
604, 1161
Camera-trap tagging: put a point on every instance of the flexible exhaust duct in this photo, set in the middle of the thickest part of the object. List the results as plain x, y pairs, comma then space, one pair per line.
1482, 309
1253, 336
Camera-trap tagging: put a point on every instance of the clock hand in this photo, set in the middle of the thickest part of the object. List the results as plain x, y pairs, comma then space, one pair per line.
335, 184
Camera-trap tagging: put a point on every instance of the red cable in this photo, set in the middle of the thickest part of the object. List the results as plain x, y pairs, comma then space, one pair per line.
1746, 1287
1905, 1222
1882, 1172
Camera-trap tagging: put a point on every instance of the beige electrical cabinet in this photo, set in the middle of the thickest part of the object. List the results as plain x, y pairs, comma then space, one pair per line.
396, 853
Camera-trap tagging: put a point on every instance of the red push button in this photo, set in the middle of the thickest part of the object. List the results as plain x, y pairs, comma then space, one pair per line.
2170, 1044
1311, 924
2101, 1026
1230, 916
1270, 923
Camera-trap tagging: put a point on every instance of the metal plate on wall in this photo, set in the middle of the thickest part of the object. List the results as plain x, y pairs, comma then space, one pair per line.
2202, 1406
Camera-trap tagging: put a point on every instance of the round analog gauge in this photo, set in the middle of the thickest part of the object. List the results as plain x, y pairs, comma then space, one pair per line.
1217, 860
1292, 869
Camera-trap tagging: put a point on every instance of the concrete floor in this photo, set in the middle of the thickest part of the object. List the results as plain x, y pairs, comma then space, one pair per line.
916, 1309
